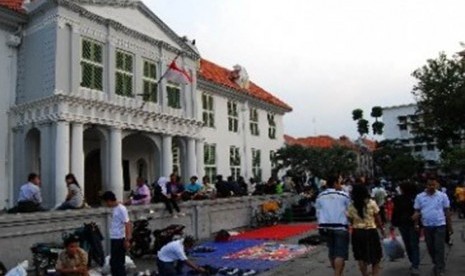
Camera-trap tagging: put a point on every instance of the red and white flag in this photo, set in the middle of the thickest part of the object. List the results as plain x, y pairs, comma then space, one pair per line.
178, 75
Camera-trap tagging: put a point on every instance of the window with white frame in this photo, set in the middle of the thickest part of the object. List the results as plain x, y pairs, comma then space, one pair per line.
210, 161
235, 162
233, 117
253, 117
150, 84
256, 164
176, 150
271, 126
92, 64
173, 92
273, 162
208, 114
124, 73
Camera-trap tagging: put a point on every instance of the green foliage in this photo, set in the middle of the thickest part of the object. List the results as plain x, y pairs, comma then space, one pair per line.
396, 161
376, 112
377, 128
357, 114
453, 160
440, 95
363, 127
321, 162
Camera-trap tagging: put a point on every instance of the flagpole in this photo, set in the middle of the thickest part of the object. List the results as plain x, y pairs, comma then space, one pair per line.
161, 78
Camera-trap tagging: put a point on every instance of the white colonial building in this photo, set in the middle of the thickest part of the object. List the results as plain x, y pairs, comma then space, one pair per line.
400, 124
81, 91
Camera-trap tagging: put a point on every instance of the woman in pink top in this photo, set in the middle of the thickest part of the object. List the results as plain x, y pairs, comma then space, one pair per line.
142, 195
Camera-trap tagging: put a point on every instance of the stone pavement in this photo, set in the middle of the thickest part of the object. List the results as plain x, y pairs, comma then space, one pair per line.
316, 263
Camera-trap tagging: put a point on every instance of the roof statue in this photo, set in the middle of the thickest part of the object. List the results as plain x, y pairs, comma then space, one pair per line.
240, 76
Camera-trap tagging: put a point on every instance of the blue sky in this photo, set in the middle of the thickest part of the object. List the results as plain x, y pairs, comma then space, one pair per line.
326, 57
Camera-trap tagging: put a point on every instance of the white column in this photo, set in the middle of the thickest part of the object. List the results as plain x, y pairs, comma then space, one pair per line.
116, 163
77, 153
200, 158
191, 158
61, 160
167, 155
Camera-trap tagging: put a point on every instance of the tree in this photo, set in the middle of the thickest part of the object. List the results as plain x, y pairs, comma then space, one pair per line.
395, 161
440, 96
363, 124
377, 126
321, 162
453, 160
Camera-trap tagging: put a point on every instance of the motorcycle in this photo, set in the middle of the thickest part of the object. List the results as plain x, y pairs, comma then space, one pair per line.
45, 255
142, 242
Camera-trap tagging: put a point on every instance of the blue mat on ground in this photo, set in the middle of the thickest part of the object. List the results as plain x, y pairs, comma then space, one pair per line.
257, 265
222, 249
225, 248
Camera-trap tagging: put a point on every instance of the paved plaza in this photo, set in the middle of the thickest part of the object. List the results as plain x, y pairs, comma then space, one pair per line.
316, 263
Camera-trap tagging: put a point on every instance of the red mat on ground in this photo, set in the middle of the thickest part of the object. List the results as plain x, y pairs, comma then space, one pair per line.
277, 232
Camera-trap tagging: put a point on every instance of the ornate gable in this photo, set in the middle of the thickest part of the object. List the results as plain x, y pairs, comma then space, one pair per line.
137, 16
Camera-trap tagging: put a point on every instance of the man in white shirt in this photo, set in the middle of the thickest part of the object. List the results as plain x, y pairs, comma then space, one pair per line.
30, 198
432, 206
331, 209
174, 252
120, 234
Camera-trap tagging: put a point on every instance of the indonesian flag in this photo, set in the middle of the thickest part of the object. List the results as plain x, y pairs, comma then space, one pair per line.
178, 75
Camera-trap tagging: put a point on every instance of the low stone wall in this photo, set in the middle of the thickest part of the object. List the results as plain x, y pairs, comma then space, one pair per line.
18, 232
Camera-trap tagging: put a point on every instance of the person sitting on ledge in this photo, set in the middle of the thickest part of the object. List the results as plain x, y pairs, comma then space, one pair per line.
75, 198
141, 196
192, 190
30, 197
222, 189
73, 260
208, 189
169, 197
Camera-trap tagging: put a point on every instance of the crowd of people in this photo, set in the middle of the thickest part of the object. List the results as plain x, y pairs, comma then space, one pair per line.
165, 190
356, 212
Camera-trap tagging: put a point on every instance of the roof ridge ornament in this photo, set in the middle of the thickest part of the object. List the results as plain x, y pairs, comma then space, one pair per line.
240, 76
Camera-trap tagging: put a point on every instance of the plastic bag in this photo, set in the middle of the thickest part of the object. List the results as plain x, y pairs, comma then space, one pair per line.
19, 270
129, 265
394, 248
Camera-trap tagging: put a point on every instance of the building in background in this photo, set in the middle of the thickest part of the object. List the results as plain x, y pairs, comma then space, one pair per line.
84, 96
400, 124
363, 148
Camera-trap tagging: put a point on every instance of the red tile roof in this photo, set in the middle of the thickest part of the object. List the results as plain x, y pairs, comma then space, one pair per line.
220, 75
16, 5
326, 141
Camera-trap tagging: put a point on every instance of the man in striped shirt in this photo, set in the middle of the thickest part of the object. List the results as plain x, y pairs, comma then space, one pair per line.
331, 209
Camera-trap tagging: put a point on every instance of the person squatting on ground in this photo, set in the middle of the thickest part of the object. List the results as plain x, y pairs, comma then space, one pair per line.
364, 216
433, 206
73, 260
172, 257
120, 234
331, 209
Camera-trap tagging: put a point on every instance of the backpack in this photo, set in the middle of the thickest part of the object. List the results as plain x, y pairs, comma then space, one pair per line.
222, 236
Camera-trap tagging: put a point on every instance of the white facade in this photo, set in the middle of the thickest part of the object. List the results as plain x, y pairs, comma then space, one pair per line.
83, 70
400, 123
10, 23
223, 139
